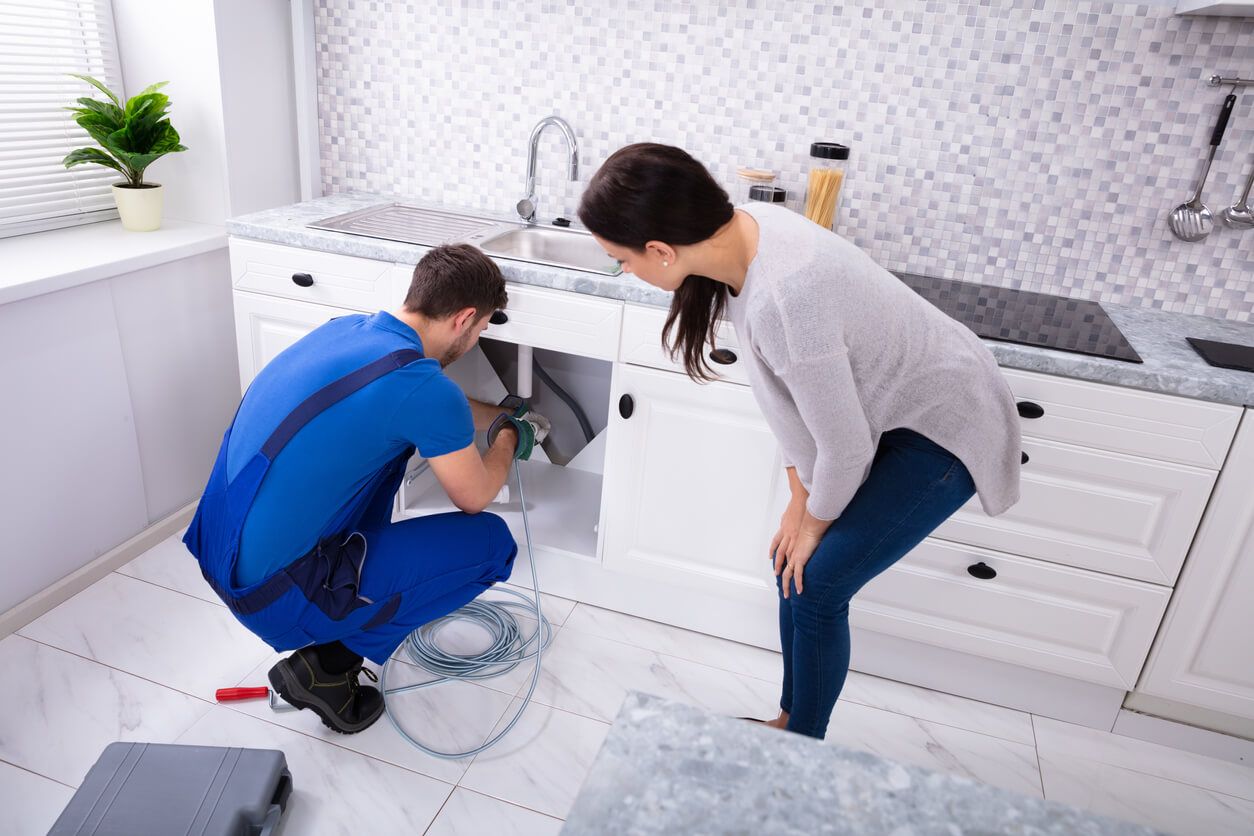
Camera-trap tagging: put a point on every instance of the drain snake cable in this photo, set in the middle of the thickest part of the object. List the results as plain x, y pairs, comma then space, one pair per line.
508, 648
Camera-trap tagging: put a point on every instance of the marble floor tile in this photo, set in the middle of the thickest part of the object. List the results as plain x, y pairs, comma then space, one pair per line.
171, 565
589, 675
335, 790
1124, 793
468, 813
909, 740
69, 708
1065, 741
675, 641
451, 717
541, 763
937, 707
31, 803
161, 635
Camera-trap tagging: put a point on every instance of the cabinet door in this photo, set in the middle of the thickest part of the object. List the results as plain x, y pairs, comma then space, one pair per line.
1203, 655
265, 325
692, 485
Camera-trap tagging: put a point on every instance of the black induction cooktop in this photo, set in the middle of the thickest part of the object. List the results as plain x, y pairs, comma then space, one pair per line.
1027, 317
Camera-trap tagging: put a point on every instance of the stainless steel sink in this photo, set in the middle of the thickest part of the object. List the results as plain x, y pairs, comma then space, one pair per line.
546, 245
537, 244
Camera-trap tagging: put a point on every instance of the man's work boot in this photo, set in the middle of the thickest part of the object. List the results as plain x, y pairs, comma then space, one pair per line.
338, 699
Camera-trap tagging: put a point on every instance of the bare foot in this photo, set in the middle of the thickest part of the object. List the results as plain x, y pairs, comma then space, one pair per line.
780, 722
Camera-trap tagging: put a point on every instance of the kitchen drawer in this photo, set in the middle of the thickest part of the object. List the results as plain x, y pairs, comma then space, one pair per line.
1039, 615
344, 281
642, 344
560, 320
1105, 417
1103, 511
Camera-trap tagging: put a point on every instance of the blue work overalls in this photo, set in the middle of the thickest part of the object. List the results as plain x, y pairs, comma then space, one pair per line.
418, 569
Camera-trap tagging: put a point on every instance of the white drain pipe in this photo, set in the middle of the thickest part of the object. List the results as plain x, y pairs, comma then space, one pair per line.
525, 355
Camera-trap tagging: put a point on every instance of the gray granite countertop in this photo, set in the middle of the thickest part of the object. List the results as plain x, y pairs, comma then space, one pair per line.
1171, 365
667, 768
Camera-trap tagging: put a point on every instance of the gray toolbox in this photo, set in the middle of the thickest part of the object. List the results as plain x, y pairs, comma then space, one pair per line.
154, 788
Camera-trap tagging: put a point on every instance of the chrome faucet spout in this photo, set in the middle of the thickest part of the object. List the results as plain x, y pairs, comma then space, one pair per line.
527, 206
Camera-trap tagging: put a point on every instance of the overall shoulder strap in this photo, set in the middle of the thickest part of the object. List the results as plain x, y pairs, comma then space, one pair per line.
333, 393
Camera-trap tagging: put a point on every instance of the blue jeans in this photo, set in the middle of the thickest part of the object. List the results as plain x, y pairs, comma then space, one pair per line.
914, 485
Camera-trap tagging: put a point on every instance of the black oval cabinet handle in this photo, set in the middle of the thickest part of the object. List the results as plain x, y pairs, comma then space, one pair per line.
723, 356
982, 571
626, 406
498, 318
1027, 409
1024, 458
303, 279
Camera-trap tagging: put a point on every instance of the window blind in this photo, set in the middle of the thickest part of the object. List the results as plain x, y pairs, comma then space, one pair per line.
41, 42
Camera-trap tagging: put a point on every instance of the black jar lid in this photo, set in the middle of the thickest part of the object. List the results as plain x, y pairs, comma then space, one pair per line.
768, 194
829, 150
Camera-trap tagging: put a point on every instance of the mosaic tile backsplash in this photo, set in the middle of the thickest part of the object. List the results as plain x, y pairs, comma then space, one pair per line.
1036, 145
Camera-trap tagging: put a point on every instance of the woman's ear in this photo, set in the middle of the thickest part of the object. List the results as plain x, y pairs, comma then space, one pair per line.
661, 250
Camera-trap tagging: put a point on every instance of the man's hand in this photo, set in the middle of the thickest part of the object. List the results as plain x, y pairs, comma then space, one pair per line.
531, 430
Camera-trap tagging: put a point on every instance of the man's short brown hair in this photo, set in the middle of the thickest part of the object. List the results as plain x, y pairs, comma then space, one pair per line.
453, 277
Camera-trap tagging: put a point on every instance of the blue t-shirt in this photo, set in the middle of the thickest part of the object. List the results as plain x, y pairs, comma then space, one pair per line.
326, 464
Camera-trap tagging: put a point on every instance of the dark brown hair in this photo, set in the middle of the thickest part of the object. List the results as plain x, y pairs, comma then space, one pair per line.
453, 277
650, 192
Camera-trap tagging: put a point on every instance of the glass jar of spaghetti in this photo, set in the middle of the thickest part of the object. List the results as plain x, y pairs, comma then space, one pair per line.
827, 175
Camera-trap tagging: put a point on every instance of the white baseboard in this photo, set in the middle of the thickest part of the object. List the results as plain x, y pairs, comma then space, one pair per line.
41, 602
1188, 715
1213, 744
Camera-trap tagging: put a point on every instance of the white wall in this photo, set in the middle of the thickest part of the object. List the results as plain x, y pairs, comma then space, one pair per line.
116, 396
160, 40
258, 104
176, 327
229, 64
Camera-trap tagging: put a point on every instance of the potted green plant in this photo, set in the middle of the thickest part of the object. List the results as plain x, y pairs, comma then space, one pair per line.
132, 136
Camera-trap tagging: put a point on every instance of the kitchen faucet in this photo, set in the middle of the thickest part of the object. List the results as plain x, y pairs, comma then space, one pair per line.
527, 206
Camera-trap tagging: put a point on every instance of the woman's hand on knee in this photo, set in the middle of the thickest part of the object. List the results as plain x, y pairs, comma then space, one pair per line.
790, 564
789, 526
792, 568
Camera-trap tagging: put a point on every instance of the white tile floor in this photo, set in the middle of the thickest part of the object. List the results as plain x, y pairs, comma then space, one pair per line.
138, 655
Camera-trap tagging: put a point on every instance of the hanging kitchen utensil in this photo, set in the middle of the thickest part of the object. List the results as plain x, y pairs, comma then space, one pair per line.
1239, 215
1192, 221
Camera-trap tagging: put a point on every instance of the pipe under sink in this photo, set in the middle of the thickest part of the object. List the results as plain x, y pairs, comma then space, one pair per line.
530, 242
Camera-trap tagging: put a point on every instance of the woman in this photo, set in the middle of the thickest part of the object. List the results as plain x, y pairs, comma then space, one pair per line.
890, 415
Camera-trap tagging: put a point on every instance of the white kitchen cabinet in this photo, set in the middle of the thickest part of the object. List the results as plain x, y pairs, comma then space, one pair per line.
1116, 420
266, 325
1204, 655
361, 284
1112, 513
585, 326
691, 485
642, 345
1057, 619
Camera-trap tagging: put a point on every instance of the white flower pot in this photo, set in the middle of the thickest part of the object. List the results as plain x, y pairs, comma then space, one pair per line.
140, 208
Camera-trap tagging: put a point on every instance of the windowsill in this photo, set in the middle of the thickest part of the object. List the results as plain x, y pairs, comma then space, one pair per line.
43, 262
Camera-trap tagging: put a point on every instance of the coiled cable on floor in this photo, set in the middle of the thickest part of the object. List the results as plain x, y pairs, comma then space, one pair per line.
508, 649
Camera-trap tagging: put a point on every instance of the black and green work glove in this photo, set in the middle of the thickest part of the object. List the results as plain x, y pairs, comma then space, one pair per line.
532, 429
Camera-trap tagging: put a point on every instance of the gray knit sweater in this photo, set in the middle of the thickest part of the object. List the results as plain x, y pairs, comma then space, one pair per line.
840, 351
